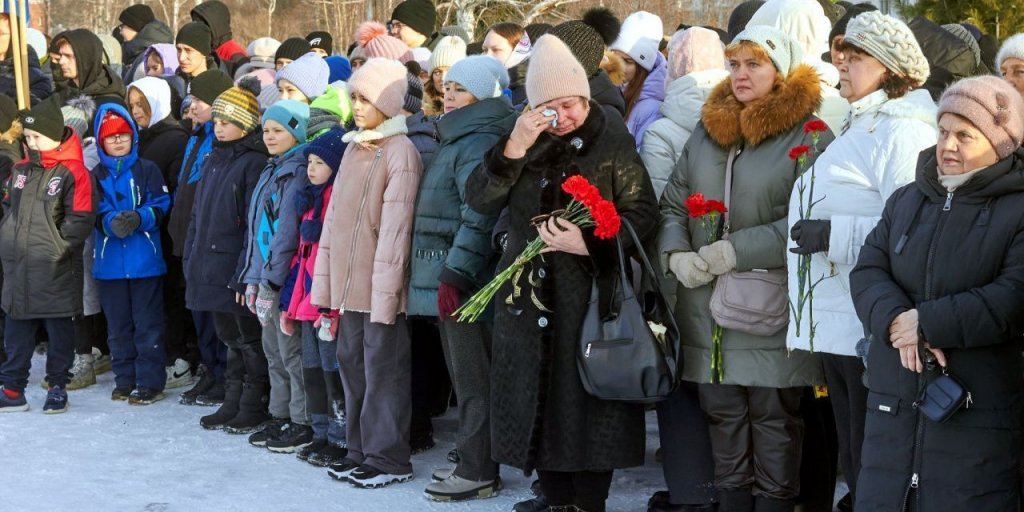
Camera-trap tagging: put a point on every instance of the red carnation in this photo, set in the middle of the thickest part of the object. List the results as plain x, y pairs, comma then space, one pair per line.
606, 218
716, 206
581, 190
798, 151
816, 126
696, 205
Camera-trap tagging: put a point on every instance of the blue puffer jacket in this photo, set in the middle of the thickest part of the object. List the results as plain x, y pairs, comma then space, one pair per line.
273, 223
128, 183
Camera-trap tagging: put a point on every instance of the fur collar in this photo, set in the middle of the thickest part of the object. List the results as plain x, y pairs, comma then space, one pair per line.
616, 69
730, 122
389, 128
916, 104
13, 134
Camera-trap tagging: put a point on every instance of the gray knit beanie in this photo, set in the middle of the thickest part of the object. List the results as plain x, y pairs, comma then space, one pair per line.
413, 101
484, 77
965, 35
784, 51
891, 42
309, 73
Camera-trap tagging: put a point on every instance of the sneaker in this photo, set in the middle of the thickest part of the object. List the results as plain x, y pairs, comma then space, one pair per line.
328, 456
311, 449
83, 373
453, 457
213, 396
101, 362
145, 396
56, 401
270, 430
455, 488
179, 374
440, 475
12, 401
204, 380
369, 477
342, 470
121, 393
292, 439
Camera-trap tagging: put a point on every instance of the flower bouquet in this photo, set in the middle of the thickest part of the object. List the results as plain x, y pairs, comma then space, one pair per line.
708, 212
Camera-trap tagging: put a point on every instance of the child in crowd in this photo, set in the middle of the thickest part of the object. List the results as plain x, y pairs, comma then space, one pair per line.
271, 244
49, 208
304, 79
129, 264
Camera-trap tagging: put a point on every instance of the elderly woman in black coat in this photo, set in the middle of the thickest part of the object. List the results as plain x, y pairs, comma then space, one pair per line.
940, 286
541, 416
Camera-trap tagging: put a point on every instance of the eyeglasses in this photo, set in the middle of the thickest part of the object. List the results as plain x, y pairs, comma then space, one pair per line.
396, 26
119, 137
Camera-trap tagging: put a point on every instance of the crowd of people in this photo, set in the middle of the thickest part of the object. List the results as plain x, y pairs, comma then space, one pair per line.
290, 231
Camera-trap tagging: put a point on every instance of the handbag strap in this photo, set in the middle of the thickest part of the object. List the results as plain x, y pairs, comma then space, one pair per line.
733, 151
644, 260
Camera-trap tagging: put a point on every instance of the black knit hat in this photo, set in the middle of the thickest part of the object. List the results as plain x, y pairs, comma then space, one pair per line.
198, 36
419, 15
45, 118
851, 13
210, 84
587, 38
136, 16
321, 40
741, 16
292, 48
535, 30
8, 112
832, 11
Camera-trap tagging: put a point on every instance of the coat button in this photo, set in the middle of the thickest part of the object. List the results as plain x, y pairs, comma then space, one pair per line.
213, 247
544, 182
541, 273
542, 322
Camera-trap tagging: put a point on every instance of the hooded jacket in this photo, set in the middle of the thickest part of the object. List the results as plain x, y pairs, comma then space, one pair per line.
184, 186
608, 96
664, 139
272, 224
957, 259
217, 16
163, 141
646, 109
363, 263
94, 78
132, 52
766, 130
949, 58
39, 84
451, 242
867, 163
128, 183
218, 226
49, 210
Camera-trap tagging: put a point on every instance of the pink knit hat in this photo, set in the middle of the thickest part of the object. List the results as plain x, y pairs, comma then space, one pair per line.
694, 49
373, 37
382, 81
993, 106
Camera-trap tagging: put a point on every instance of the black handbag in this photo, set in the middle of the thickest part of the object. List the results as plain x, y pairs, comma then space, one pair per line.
943, 397
621, 357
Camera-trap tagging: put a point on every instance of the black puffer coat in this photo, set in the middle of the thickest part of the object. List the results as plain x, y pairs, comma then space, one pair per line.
164, 143
40, 86
959, 260
541, 417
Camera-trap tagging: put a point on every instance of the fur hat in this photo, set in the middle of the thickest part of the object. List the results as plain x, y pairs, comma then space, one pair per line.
639, 38
383, 83
554, 73
993, 106
694, 49
373, 37
891, 42
588, 37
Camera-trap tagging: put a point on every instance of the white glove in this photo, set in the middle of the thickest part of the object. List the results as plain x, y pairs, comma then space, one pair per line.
720, 257
690, 269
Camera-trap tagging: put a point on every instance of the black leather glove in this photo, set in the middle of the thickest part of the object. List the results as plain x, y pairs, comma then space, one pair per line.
811, 236
125, 223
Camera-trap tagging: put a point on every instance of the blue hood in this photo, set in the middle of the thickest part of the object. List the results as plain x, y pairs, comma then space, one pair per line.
112, 162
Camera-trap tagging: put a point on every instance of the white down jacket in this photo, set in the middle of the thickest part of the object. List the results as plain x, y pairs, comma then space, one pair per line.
664, 139
875, 155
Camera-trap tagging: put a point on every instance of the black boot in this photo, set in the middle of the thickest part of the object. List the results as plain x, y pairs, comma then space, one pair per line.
661, 502
213, 396
762, 504
202, 385
228, 408
252, 410
538, 504
735, 500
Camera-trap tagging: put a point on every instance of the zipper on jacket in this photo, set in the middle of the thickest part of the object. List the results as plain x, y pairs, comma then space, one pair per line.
355, 232
949, 202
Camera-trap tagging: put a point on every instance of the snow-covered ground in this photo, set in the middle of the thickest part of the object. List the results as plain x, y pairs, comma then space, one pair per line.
108, 456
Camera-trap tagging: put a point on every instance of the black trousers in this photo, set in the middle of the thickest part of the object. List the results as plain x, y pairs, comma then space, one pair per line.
756, 438
430, 381
243, 336
820, 456
587, 490
686, 447
91, 331
849, 405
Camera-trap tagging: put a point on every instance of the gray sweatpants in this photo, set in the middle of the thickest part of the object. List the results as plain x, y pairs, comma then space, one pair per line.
376, 370
284, 358
467, 350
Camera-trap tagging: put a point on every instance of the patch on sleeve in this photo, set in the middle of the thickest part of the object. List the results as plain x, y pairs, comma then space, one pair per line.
53, 187
20, 182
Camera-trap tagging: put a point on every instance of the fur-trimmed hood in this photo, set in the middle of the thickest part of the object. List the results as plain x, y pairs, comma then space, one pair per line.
389, 128
615, 67
730, 122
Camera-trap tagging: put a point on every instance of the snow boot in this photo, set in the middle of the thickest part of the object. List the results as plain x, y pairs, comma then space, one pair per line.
179, 374
12, 401
228, 409
122, 393
271, 430
455, 488
145, 396
735, 500
213, 396
311, 449
538, 504
83, 372
205, 380
101, 362
252, 410
329, 456
56, 401
292, 439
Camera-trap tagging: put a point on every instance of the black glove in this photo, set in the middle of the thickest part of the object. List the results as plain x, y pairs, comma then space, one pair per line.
811, 236
125, 223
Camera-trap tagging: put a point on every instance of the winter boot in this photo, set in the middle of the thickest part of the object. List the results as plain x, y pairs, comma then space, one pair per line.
83, 372
121, 393
329, 456
101, 362
213, 397
538, 504
205, 382
12, 401
145, 396
735, 500
292, 439
455, 488
763, 504
311, 449
661, 502
228, 409
252, 410
440, 475
56, 401
179, 374
271, 430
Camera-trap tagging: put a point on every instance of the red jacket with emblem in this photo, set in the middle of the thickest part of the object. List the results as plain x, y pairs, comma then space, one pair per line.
49, 210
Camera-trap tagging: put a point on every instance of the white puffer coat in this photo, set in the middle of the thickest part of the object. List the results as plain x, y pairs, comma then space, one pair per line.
874, 156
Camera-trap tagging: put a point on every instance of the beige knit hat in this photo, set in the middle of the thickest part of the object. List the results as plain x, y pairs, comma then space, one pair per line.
891, 42
554, 73
382, 81
992, 105
449, 50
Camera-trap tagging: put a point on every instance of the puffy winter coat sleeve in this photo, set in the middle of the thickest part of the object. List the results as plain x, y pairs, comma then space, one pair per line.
81, 196
877, 297
674, 229
153, 201
640, 118
320, 293
849, 231
471, 250
286, 239
394, 244
661, 148
488, 187
987, 315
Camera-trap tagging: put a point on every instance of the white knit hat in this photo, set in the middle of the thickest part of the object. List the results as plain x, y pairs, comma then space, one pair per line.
802, 20
1013, 48
263, 50
891, 42
784, 51
639, 38
449, 50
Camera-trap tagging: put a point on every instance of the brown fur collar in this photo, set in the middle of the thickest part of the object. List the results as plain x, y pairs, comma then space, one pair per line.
616, 69
13, 134
730, 122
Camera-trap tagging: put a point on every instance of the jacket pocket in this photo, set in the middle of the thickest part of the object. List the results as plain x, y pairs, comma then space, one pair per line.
883, 403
